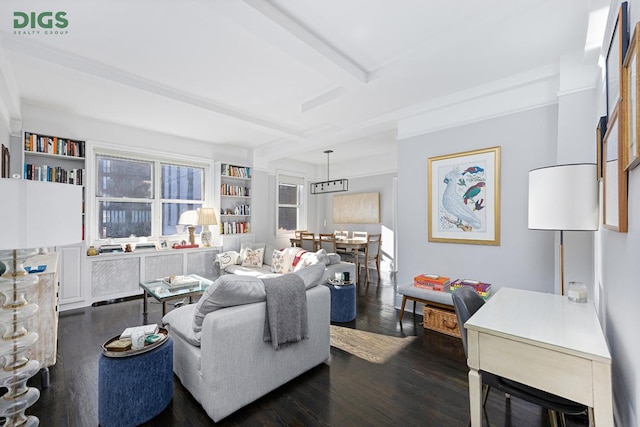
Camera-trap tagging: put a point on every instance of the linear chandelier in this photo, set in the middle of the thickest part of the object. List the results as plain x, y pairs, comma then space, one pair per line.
330, 185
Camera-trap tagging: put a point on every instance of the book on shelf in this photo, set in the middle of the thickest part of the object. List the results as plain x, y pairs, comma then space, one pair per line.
431, 282
236, 171
146, 329
53, 145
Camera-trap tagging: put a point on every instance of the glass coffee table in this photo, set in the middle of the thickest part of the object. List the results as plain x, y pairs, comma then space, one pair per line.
163, 292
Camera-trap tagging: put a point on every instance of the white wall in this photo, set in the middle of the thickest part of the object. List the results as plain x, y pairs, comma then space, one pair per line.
525, 258
620, 286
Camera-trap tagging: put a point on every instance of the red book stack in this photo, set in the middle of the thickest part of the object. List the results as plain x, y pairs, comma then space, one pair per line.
431, 282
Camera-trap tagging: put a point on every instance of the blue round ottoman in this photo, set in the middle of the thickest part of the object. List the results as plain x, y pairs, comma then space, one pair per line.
134, 389
343, 303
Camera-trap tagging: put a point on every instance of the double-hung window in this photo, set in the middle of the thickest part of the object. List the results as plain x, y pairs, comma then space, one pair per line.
137, 197
291, 203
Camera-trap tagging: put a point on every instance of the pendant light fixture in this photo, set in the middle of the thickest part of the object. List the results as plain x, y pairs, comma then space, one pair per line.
330, 185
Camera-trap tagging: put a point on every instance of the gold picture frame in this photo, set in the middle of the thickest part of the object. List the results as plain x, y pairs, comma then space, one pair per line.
614, 177
630, 95
464, 197
601, 129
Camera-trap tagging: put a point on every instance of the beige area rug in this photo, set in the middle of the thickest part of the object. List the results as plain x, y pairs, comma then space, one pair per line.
375, 348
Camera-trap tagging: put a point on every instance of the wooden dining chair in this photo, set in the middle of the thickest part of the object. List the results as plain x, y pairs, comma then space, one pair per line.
327, 242
360, 235
308, 241
371, 255
341, 234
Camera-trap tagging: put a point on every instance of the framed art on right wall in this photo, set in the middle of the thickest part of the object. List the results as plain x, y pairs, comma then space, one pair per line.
615, 55
630, 94
614, 178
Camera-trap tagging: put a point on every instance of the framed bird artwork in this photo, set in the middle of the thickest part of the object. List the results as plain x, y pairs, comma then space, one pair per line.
464, 197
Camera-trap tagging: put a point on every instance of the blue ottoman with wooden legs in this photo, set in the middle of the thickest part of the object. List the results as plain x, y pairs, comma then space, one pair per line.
135, 389
343, 303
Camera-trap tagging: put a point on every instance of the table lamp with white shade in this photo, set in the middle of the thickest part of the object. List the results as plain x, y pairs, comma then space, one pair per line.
206, 217
33, 215
563, 198
190, 219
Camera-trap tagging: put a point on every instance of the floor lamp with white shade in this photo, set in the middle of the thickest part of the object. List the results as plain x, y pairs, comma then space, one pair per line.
33, 215
563, 198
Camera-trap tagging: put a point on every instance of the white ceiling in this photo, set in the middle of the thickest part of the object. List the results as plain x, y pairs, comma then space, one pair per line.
310, 75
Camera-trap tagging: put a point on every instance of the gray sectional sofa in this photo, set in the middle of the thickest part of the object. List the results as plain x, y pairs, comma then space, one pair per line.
230, 262
226, 364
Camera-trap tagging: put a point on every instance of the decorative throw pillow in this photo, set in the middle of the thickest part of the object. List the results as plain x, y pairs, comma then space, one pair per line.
253, 258
333, 259
228, 258
311, 275
310, 258
227, 291
278, 262
268, 254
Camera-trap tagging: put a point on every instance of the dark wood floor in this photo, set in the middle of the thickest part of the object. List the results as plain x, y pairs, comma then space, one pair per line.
425, 384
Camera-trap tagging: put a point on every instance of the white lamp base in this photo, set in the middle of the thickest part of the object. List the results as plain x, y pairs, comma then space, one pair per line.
205, 236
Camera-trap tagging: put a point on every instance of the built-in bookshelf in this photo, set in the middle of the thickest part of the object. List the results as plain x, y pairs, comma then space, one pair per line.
234, 198
54, 159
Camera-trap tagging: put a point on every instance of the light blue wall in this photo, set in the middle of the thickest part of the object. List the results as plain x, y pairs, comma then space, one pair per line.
619, 283
525, 258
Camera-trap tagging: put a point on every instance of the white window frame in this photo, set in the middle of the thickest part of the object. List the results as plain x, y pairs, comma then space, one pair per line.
92, 200
291, 178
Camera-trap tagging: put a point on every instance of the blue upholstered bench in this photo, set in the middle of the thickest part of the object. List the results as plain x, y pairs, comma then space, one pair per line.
135, 389
425, 296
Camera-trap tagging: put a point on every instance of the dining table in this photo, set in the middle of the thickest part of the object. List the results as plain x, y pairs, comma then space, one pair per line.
350, 246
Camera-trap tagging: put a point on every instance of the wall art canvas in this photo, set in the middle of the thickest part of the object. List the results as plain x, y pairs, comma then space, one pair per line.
464, 197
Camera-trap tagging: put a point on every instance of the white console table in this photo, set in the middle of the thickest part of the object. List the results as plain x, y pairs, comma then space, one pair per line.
544, 341
118, 275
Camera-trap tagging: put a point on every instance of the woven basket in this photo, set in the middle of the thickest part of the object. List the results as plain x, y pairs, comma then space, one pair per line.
441, 321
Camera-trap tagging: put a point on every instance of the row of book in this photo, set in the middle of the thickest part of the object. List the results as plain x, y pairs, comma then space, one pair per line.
244, 210
234, 190
236, 171
235, 227
54, 174
444, 284
53, 145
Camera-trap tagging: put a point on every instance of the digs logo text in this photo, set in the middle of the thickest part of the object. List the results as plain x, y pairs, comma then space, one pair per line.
40, 23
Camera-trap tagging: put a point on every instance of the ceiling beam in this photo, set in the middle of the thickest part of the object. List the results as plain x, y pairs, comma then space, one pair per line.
304, 34
97, 69
10, 107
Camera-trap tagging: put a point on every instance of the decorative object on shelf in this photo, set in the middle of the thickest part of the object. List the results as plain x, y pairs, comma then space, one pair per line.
563, 197
330, 185
190, 219
92, 251
630, 93
25, 224
464, 197
206, 217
